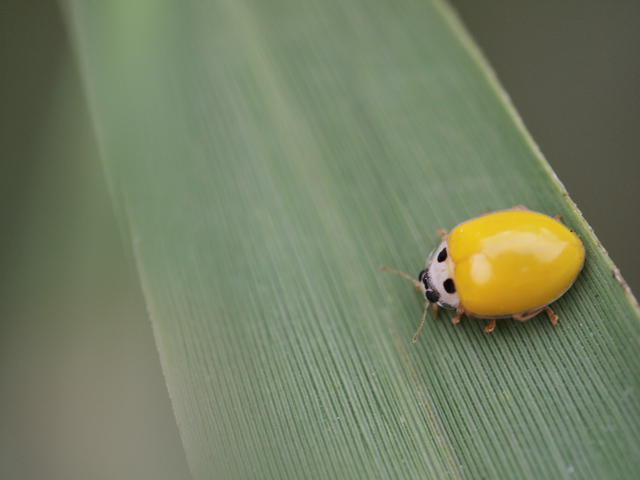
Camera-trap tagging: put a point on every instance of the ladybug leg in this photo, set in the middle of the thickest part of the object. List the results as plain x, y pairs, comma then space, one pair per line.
416, 283
523, 317
435, 311
456, 318
520, 208
424, 316
557, 218
490, 326
552, 316
443, 234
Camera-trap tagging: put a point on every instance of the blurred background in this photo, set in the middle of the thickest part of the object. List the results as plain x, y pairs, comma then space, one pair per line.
81, 387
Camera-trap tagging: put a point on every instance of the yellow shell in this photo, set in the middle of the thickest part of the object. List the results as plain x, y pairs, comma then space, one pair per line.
513, 261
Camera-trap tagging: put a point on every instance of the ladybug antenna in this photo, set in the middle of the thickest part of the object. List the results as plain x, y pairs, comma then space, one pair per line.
416, 283
424, 316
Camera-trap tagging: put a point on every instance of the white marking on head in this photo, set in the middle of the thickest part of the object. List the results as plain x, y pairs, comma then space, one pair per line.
437, 273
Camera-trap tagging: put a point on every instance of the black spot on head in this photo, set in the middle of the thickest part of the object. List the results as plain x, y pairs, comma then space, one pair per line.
424, 278
421, 275
449, 286
432, 296
442, 256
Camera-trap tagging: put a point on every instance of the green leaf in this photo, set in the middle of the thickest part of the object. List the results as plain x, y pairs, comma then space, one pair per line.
266, 158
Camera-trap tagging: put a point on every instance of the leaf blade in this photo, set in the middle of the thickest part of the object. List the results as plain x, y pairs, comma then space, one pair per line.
277, 160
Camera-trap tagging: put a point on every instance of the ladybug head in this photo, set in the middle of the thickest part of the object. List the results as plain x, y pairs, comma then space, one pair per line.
427, 289
436, 281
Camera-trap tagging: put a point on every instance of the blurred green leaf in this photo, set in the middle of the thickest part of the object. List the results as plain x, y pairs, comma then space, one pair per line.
265, 159
82, 391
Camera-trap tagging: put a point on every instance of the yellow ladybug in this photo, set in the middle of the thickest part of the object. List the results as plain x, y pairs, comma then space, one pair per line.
511, 263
